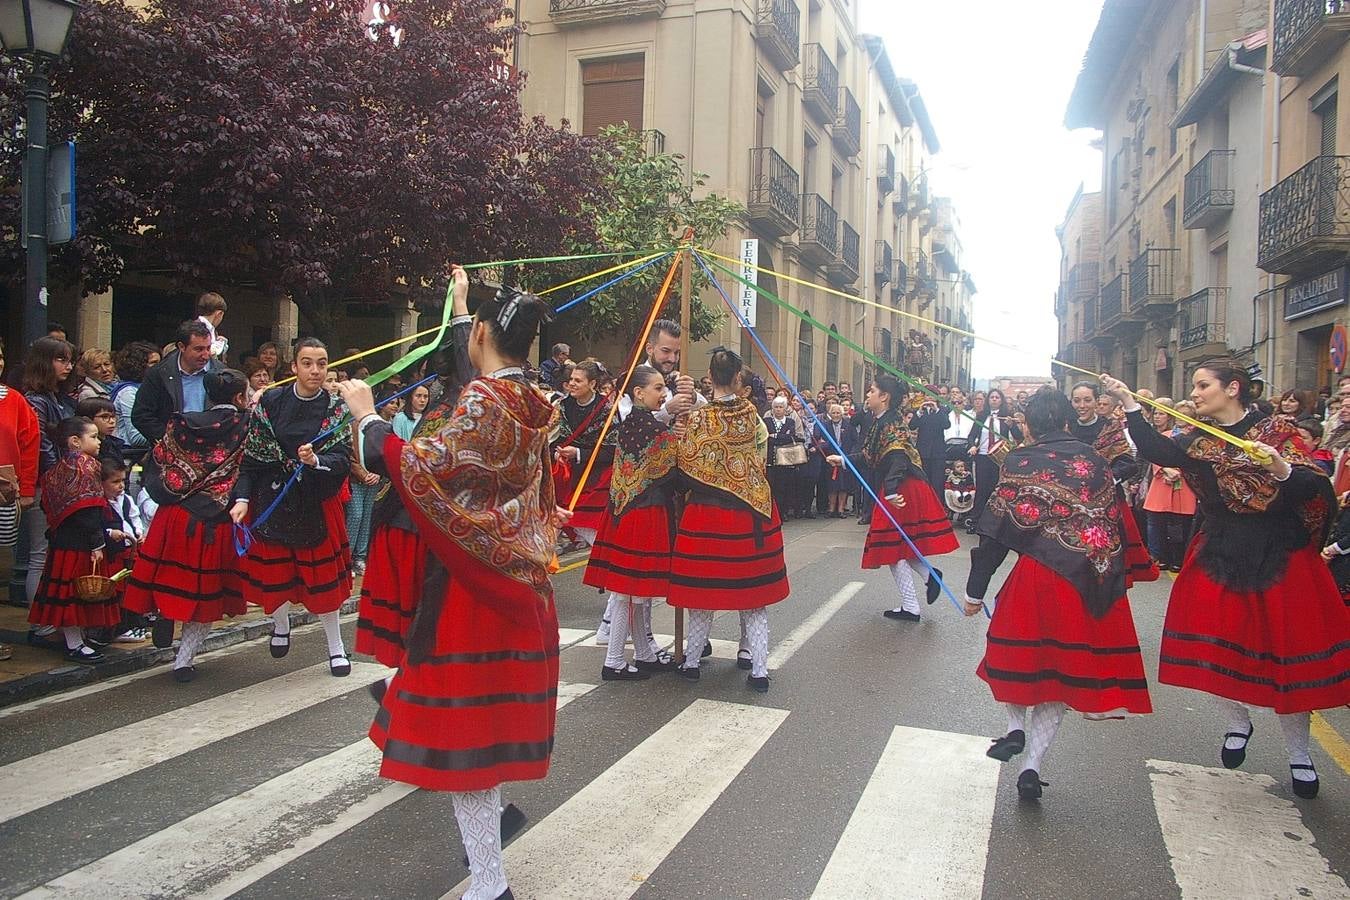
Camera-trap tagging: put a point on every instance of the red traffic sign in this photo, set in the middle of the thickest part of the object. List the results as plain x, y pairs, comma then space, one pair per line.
1338, 348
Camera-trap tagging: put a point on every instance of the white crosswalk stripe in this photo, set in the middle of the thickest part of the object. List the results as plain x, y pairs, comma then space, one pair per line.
1229, 834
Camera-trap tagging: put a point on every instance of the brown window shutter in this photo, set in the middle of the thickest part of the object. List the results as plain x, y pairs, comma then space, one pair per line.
612, 92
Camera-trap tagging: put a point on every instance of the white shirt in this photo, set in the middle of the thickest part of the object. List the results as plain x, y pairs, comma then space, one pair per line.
958, 426
665, 418
219, 345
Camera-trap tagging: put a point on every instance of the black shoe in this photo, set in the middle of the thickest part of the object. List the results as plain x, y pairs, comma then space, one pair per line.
624, 674
743, 662
970, 528
339, 666
98, 638
659, 664
512, 821
759, 685
377, 689
504, 895
85, 655
934, 585
1029, 785
809, 515
901, 615
279, 650
1008, 746
161, 633
1234, 758
184, 674
707, 650
1305, 789
689, 673
53, 641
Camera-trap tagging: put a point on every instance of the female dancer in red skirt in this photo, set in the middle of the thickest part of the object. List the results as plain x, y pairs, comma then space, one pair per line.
1106, 435
475, 700
584, 412
1255, 617
187, 568
72, 499
1062, 635
728, 551
299, 550
631, 557
396, 561
899, 481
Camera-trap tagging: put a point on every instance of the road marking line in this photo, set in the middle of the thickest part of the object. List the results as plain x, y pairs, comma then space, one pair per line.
36, 781
814, 622
920, 830
1335, 746
208, 855
655, 794
1229, 834
568, 637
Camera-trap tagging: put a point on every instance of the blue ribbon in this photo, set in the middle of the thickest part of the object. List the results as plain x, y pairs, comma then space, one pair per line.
607, 285
815, 420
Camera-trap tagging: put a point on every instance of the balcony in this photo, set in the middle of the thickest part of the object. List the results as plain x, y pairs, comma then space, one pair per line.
900, 286
884, 267
1089, 315
848, 265
847, 131
1200, 323
775, 204
1083, 282
1305, 219
818, 242
1152, 288
586, 12
885, 169
1110, 307
1306, 33
902, 197
922, 199
1062, 301
778, 30
654, 142
1083, 355
820, 84
1209, 190
924, 287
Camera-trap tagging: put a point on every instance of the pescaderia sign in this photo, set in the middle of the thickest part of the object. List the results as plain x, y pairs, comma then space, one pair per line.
1303, 298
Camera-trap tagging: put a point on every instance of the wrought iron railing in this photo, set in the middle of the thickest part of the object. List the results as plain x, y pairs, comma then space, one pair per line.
1209, 187
1081, 354
1083, 280
819, 224
1297, 23
774, 189
1110, 307
820, 82
1089, 315
848, 123
654, 141
1200, 318
900, 286
885, 169
850, 249
579, 9
777, 25
1151, 278
884, 263
902, 196
1303, 213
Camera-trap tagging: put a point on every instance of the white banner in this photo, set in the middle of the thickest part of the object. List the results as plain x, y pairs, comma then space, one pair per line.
749, 260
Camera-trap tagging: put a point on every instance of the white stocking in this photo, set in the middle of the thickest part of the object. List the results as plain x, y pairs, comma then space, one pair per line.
332, 629
1295, 727
479, 814
281, 623
1239, 722
1017, 717
909, 597
587, 534
700, 626
619, 609
755, 625
189, 642
644, 645
74, 636
607, 620
1041, 728
646, 628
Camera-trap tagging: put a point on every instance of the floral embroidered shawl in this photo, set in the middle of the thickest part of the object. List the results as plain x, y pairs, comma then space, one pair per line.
721, 450
646, 455
73, 484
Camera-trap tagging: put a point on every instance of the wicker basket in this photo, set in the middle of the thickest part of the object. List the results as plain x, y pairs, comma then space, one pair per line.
94, 588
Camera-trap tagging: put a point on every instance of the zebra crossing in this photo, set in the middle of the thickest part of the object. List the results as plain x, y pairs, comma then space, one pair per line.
921, 826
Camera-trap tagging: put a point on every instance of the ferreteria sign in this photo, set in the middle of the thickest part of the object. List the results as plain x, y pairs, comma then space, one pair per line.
1303, 298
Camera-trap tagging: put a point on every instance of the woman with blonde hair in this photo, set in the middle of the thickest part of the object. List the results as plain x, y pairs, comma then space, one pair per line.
96, 374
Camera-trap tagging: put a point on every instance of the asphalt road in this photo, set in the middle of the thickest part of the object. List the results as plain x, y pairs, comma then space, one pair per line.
860, 774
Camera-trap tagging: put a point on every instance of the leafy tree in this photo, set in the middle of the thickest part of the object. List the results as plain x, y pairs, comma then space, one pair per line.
280, 142
645, 203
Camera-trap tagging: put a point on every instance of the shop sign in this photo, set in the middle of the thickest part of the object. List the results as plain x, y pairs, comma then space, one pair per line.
1303, 298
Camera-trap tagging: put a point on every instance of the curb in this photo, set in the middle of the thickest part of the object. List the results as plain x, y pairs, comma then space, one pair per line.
41, 683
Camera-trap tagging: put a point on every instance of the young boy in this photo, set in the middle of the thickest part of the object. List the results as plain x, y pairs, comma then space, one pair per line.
123, 531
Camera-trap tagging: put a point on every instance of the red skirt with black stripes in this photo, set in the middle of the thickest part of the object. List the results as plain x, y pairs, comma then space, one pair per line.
632, 553
56, 604
593, 504
1139, 564
727, 559
318, 578
1043, 646
186, 569
924, 519
480, 710
1286, 648
390, 590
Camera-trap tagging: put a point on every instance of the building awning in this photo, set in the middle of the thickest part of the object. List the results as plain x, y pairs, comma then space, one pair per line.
1219, 80
1117, 27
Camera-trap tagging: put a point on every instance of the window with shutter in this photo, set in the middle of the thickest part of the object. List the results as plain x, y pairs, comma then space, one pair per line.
611, 93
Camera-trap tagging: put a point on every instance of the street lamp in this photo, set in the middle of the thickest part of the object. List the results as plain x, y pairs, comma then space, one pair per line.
36, 29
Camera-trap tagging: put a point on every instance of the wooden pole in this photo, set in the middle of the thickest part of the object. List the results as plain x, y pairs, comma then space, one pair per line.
686, 305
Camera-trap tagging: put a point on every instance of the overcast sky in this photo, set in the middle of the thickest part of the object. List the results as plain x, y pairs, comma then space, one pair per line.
996, 77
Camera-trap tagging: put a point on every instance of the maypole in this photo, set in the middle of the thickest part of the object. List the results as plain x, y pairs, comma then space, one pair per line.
686, 307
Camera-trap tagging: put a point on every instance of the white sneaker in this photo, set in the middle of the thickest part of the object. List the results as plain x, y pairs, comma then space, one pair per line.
133, 636
602, 634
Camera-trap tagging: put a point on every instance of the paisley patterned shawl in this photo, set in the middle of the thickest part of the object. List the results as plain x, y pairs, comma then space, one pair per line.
720, 450
198, 455
261, 443
1111, 442
646, 455
73, 484
480, 485
889, 434
1056, 502
1244, 486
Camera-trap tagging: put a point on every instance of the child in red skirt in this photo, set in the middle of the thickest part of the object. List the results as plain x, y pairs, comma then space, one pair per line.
1062, 635
899, 481
187, 569
72, 498
631, 556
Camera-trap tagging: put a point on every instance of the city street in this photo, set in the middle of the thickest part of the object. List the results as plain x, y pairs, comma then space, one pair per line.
860, 774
